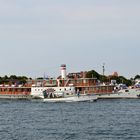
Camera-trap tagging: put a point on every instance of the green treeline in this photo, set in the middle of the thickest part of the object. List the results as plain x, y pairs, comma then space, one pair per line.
13, 79
119, 79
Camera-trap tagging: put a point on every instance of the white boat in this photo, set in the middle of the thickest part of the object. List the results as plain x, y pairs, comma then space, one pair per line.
65, 97
60, 94
123, 93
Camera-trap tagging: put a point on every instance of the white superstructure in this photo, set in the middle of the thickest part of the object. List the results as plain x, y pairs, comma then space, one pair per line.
37, 92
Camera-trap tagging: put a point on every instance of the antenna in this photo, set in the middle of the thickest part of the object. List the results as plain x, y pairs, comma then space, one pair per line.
103, 69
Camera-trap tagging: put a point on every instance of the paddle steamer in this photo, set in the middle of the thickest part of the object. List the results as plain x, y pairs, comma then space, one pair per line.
78, 84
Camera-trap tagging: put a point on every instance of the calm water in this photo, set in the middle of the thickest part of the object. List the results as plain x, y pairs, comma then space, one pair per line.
101, 120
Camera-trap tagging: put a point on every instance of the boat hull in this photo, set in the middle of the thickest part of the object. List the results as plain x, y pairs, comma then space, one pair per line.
81, 98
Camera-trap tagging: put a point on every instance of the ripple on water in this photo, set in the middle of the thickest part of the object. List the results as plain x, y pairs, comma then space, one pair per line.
101, 120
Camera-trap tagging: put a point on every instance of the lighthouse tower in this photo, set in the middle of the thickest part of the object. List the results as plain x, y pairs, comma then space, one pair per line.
63, 71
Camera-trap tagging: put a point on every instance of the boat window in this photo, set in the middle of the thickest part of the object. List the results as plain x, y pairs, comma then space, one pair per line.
4, 89
126, 90
10, 89
28, 90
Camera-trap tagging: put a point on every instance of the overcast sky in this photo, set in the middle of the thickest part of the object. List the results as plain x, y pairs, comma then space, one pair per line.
37, 36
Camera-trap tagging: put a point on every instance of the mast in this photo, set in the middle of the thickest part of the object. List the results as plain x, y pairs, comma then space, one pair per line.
103, 69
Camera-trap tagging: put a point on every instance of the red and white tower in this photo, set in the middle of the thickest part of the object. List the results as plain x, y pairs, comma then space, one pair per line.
63, 71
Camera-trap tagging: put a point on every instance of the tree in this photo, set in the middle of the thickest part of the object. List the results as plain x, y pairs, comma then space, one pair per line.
121, 79
137, 77
92, 74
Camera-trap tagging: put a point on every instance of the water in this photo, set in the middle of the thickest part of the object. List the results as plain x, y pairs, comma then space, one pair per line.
101, 120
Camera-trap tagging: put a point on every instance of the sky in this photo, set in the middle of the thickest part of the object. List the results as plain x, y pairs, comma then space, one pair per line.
37, 36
